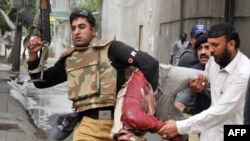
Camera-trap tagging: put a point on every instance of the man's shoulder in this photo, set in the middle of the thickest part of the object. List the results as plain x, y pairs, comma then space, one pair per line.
187, 44
67, 52
178, 41
188, 58
243, 63
188, 52
101, 42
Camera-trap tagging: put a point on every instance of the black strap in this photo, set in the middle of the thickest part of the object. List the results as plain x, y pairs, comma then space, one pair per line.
94, 113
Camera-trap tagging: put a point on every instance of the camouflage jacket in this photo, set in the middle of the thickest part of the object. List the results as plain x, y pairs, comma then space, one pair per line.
91, 77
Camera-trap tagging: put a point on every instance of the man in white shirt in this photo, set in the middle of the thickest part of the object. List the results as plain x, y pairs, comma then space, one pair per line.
178, 48
227, 73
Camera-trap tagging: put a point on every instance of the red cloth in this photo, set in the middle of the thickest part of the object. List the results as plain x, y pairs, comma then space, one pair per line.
139, 104
139, 107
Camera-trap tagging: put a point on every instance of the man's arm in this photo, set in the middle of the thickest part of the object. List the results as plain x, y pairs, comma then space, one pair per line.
172, 53
53, 75
247, 106
129, 56
171, 59
221, 111
188, 58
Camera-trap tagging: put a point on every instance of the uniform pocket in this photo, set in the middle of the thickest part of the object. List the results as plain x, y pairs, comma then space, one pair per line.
83, 76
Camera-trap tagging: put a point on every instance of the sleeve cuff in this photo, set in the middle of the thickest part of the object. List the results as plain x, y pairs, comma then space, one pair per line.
183, 127
33, 64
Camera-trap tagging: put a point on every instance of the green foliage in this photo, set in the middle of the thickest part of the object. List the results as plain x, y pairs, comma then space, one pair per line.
31, 6
5, 5
90, 5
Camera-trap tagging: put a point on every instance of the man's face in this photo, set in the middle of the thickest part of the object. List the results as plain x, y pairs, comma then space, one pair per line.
82, 32
220, 49
183, 37
203, 53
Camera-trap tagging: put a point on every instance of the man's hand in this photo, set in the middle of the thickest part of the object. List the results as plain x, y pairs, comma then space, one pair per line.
34, 46
169, 130
198, 83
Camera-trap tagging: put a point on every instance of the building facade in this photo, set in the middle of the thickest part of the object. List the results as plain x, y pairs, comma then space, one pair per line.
61, 10
153, 26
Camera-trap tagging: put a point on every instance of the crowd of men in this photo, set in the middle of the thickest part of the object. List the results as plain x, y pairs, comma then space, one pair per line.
95, 72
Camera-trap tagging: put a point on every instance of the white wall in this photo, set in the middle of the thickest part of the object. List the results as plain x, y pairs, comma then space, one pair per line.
122, 18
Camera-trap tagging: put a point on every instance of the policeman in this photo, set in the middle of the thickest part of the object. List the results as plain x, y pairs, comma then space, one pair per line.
95, 71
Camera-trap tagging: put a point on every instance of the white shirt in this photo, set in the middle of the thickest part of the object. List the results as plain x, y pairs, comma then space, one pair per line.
177, 49
228, 90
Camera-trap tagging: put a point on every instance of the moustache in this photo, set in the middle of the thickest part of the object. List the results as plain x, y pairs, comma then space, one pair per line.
204, 56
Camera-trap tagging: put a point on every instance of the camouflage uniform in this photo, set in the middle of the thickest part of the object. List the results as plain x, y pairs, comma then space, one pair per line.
91, 77
94, 74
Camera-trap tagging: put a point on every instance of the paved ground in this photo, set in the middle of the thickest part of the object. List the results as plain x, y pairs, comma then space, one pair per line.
15, 122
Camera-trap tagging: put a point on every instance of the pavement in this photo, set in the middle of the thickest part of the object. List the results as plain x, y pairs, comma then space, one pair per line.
15, 122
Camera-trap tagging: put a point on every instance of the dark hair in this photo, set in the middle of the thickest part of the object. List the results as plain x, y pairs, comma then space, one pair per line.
200, 40
82, 13
226, 29
183, 36
183, 33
